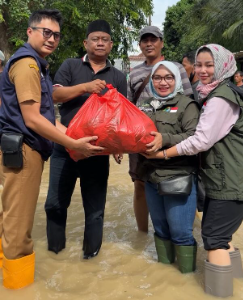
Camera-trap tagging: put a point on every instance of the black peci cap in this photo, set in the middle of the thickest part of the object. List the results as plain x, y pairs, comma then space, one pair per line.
98, 25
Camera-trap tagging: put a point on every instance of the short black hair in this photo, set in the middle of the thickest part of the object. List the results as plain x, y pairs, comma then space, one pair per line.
240, 73
190, 56
52, 14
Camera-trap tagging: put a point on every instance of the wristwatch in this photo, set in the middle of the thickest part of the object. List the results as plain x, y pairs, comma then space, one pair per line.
165, 155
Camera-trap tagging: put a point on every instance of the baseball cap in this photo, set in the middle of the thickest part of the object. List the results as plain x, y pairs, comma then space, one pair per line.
152, 30
2, 57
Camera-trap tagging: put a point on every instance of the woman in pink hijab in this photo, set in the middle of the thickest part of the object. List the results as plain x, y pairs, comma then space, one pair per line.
219, 140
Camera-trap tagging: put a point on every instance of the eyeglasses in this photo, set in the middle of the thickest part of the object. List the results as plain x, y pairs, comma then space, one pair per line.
47, 33
167, 78
95, 40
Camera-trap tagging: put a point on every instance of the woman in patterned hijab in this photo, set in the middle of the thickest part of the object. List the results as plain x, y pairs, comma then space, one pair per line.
224, 67
219, 138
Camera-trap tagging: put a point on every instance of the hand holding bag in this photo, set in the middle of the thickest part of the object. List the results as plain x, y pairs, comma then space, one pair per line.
11, 147
120, 126
177, 185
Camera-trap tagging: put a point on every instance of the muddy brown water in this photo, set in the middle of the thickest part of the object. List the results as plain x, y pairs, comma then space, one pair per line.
126, 267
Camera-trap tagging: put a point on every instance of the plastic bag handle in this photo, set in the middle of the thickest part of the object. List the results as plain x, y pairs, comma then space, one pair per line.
109, 86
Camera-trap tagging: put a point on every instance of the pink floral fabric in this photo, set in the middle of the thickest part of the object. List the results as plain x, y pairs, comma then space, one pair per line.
224, 67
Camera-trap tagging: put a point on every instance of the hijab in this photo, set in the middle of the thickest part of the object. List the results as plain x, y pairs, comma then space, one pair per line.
224, 67
178, 83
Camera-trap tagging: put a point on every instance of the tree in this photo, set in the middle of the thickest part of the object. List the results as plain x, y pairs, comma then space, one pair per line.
225, 20
175, 26
126, 17
192, 23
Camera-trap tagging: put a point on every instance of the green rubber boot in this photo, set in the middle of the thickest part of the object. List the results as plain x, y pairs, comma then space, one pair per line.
186, 258
165, 250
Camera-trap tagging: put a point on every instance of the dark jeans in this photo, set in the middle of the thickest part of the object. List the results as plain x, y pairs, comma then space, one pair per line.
93, 173
221, 219
172, 216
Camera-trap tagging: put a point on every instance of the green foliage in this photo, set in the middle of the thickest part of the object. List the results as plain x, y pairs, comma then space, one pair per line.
192, 23
175, 27
225, 17
126, 17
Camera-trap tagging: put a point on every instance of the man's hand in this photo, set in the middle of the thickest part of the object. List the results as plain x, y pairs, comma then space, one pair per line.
156, 144
95, 86
84, 148
118, 158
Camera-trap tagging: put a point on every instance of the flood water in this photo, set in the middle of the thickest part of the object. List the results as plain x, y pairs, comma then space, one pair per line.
126, 267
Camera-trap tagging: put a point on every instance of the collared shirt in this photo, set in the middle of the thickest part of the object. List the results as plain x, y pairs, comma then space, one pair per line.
140, 72
74, 71
25, 76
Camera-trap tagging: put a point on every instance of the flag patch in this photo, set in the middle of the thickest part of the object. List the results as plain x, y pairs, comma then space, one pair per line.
173, 109
204, 105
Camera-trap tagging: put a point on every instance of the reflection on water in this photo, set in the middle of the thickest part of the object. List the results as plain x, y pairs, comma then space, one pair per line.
126, 266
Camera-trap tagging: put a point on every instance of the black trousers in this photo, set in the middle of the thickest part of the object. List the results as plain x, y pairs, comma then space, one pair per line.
221, 219
93, 173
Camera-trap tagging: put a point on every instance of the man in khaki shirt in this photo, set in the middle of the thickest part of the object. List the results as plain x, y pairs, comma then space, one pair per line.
27, 111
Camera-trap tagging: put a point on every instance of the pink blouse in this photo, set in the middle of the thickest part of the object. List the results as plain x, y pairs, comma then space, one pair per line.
217, 119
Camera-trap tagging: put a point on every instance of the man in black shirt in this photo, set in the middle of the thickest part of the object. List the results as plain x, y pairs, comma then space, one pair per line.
75, 80
238, 78
188, 63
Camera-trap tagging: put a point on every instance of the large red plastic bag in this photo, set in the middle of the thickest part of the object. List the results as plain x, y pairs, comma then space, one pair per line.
120, 126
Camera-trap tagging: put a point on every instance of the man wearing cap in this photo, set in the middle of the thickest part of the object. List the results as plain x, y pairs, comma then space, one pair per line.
75, 80
151, 44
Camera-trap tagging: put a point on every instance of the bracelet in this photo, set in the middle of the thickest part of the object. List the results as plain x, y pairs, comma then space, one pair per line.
165, 155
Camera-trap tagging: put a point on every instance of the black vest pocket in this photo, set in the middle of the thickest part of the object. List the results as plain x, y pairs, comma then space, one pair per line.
45, 102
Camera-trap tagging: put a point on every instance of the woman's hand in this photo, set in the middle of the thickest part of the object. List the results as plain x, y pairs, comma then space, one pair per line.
156, 144
153, 155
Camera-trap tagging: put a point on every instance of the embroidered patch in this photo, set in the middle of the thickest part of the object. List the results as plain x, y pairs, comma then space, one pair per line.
34, 67
173, 109
204, 105
146, 109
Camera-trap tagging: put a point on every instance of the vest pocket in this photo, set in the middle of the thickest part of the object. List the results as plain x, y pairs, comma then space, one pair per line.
212, 170
213, 178
45, 103
166, 122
